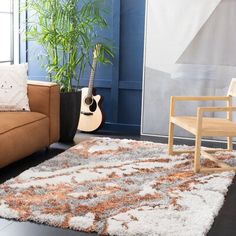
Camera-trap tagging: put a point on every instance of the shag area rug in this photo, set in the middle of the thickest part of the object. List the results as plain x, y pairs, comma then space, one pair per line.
118, 187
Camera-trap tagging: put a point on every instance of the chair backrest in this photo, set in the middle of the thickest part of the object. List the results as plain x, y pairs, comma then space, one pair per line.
232, 88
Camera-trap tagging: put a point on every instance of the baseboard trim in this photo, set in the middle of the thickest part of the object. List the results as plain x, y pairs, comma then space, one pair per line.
188, 141
185, 138
121, 128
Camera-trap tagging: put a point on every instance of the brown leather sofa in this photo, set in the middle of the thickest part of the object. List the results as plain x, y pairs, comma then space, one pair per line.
23, 133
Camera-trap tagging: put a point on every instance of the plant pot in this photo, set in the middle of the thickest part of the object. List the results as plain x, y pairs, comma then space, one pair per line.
70, 103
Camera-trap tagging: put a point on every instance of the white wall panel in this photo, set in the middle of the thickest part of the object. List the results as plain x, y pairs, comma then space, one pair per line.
189, 50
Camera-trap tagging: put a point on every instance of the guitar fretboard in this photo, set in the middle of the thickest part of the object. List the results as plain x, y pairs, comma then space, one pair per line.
93, 69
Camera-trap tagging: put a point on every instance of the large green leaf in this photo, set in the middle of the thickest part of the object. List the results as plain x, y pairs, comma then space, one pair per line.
67, 32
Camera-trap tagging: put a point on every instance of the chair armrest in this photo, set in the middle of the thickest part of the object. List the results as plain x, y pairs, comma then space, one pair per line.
174, 99
216, 109
202, 110
44, 97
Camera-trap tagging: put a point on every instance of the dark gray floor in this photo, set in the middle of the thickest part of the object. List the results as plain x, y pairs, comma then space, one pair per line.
224, 224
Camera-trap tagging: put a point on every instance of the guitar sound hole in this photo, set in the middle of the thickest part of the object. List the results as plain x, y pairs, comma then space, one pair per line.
88, 101
93, 106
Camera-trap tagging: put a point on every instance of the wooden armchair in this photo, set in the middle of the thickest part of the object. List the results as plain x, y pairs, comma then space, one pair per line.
202, 126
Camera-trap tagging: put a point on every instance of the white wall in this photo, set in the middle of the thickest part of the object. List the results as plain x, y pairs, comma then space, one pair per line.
189, 50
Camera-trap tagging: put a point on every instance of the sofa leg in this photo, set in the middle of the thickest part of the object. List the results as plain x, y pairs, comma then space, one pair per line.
47, 149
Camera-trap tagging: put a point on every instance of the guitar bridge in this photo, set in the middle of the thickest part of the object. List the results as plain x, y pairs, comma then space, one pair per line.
86, 113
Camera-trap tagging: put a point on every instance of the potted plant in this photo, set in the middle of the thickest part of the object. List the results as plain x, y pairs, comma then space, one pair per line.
67, 33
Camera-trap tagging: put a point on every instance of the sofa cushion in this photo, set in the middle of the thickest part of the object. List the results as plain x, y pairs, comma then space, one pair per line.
13, 120
21, 134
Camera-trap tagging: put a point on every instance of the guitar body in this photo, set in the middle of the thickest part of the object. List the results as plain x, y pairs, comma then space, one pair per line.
91, 117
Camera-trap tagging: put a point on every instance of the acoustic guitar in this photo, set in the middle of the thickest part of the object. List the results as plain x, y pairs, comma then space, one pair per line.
91, 117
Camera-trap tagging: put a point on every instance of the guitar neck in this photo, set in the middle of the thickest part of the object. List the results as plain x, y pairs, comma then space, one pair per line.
91, 78
93, 69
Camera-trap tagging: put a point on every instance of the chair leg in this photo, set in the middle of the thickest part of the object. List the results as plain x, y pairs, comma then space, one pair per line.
197, 155
230, 143
171, 138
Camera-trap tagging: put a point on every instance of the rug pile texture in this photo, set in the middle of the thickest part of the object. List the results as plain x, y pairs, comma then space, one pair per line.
118, 187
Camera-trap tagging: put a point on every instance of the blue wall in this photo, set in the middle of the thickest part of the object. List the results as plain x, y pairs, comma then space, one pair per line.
121, 83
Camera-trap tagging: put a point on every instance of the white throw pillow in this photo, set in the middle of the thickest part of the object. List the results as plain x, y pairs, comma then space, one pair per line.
13, 88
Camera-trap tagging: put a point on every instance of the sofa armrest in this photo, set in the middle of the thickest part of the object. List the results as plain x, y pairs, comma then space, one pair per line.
44, 97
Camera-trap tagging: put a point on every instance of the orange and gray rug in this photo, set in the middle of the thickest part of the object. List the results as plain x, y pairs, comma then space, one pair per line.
118, 187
